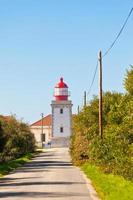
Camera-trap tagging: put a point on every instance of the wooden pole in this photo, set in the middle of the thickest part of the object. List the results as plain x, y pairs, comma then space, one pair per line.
84, 99
42, 131
78, 110
100, 95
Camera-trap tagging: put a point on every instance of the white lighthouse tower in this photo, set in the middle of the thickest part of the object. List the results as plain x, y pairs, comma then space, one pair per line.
61, 115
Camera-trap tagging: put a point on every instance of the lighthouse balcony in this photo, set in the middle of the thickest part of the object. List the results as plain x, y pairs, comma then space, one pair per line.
61, 92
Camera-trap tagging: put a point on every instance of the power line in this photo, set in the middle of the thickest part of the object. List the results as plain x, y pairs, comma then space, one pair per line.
93, 79
118, 35
108, 50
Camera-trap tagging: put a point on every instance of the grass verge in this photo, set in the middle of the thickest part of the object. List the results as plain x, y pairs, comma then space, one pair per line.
7, 167
109, 186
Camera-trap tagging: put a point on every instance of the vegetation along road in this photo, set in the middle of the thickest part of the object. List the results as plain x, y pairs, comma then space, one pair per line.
49, 176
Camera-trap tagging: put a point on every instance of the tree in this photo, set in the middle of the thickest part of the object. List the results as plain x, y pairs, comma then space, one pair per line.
113, 153
128, 82
2, 139
16, 138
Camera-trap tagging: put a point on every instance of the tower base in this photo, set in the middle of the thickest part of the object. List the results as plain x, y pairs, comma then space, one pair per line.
60, 142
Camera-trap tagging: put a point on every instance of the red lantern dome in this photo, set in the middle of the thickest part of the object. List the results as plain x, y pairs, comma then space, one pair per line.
61, 91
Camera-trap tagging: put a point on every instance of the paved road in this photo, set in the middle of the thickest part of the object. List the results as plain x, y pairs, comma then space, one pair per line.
49, 176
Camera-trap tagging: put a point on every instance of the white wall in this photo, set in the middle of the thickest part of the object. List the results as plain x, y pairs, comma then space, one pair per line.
61, 120
37, 131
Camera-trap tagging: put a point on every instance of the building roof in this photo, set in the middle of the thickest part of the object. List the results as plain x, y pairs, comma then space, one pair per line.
61, 84
6, 118
47, 121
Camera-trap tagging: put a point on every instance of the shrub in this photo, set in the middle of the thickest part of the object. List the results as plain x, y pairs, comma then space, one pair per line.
113, 153
16, 139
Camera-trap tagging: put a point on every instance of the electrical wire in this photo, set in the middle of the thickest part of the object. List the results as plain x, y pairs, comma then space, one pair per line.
118, 35
108, 50
93, 78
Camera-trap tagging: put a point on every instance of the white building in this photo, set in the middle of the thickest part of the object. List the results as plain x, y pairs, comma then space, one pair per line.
42, 126
61, 115
55, 128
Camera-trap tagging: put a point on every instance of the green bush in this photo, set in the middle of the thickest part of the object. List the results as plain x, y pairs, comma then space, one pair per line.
16, 139
114, 152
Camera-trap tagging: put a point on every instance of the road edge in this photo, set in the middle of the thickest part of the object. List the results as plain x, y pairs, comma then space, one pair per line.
92, 191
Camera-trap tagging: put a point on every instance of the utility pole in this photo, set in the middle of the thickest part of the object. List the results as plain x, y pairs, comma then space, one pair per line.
100, 95
84, 99
78, 110
42, 131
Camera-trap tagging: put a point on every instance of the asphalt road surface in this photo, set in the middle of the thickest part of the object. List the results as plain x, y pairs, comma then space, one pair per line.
49, 176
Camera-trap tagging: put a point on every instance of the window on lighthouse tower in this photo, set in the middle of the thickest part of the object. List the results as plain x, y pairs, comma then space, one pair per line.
61, 111
61, 129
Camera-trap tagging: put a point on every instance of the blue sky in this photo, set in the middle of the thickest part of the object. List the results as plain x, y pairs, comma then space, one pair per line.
42, 40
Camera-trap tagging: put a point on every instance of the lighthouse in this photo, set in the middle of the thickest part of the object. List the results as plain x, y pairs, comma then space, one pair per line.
61, 115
